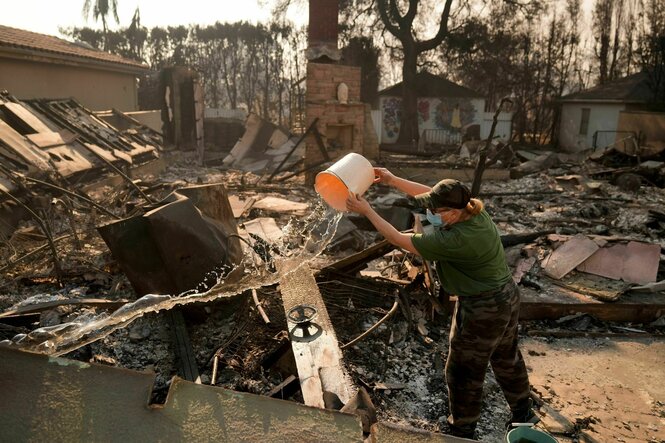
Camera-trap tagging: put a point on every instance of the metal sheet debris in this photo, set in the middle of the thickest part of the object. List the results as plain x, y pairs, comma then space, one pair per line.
176, 246
56, 399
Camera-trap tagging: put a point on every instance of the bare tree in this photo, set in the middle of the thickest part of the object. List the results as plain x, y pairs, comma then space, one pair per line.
400, 24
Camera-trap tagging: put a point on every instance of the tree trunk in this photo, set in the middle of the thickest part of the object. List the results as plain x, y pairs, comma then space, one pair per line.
408, 133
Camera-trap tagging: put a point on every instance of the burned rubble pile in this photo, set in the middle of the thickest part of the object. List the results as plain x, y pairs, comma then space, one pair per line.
570, 238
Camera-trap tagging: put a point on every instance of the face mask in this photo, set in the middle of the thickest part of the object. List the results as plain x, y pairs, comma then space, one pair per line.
434, 219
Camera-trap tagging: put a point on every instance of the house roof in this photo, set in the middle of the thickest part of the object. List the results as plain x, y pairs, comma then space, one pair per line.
20, 41
430, 85
631, 89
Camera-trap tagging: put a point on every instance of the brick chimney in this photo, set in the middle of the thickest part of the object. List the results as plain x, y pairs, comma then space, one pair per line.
323, 30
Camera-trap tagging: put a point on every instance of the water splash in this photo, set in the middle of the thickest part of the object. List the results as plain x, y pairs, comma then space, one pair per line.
302, 241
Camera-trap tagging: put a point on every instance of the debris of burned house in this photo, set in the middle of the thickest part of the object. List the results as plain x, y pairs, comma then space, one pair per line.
403, 352
262, 147
222, 129
337, 318
60, 141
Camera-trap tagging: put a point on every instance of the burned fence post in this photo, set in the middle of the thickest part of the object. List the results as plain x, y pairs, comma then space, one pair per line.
480, 166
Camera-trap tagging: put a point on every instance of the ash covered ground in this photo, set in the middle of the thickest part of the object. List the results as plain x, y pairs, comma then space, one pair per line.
401, 363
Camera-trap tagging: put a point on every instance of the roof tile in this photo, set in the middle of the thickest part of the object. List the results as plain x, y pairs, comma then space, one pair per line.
19, 38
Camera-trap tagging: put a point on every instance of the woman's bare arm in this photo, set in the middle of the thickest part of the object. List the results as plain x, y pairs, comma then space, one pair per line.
406, 186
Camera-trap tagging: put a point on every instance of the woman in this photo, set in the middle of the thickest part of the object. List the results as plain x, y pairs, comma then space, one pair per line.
471, 264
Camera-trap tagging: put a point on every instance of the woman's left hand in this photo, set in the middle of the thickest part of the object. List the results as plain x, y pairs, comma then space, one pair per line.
355, 203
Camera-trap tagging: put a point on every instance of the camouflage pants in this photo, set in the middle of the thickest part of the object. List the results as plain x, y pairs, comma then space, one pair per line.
484, 329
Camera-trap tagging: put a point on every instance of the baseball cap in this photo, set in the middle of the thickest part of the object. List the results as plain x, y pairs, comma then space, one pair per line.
448, 193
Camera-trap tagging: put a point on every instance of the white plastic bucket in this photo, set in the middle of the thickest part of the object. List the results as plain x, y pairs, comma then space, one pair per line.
352, 173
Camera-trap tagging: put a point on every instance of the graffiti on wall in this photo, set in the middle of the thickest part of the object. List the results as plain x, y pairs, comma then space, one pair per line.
453, 114
391, 116
450, 116
423, 111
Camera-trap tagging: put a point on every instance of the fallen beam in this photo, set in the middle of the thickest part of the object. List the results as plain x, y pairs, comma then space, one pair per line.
617, 312
318, 357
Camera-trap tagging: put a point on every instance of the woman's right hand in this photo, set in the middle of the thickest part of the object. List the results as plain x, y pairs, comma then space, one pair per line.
382, 175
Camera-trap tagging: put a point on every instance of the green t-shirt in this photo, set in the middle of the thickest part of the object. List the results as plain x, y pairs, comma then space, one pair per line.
469, 256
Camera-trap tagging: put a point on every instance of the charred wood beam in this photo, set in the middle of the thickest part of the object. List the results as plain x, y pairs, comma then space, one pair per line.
619, 312
318, 356
610, 312
525, 237
184, 353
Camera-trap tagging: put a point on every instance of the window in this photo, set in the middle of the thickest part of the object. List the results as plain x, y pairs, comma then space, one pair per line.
584, 123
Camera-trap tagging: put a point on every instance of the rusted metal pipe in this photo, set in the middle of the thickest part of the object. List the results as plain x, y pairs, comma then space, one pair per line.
73, 194
255, 296
45, 229
117, 170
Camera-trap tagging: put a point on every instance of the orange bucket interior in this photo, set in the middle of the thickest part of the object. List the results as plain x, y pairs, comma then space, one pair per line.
332, 189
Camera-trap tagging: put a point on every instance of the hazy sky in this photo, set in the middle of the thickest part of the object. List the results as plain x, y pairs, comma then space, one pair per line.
45, 16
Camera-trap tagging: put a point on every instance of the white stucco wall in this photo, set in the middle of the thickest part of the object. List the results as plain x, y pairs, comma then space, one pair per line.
433, 113
602, 117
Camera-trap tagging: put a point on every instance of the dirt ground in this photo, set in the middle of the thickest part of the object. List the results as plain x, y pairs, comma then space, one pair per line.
612, 389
